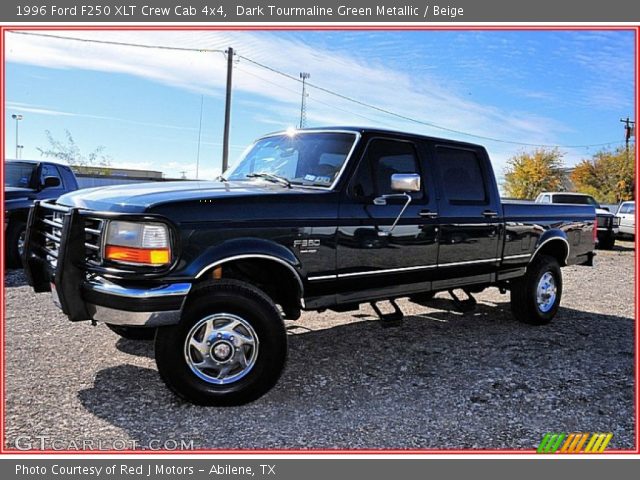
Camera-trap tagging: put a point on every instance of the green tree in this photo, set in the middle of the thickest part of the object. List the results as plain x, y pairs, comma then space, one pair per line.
529, 173
69, 151
608, 176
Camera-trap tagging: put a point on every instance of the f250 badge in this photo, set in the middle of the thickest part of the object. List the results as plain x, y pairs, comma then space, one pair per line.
307, 246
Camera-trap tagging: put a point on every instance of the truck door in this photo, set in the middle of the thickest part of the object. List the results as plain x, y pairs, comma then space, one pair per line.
372, 256
470, 216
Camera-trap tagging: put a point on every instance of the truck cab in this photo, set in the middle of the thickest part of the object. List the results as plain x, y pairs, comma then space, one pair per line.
26, 181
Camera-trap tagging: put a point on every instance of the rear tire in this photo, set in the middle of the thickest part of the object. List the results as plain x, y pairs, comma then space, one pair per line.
15, 243
535, 298
229, 348
133, 333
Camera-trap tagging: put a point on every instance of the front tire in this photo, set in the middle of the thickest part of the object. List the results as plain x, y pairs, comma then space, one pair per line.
15, 237
535, 298
229, 348
607, 242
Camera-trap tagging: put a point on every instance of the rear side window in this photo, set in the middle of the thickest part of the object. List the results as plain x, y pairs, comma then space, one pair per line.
461, 176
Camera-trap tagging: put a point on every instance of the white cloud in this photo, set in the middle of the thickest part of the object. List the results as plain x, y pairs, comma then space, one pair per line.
341, 71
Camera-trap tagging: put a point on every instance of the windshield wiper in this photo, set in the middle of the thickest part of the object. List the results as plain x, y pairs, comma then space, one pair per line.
271, 177
220, 178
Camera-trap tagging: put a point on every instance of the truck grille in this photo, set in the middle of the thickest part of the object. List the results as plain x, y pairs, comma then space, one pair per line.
50, 224
608, 221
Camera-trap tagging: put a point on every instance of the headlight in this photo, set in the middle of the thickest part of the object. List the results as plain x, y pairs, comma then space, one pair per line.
138, 243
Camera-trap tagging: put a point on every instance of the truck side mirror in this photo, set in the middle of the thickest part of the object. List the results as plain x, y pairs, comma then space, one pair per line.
405, 182
50, 182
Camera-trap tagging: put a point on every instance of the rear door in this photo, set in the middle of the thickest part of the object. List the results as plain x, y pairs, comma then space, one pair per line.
470, 215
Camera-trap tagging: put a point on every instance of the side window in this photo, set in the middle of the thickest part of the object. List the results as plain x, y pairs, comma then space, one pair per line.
382, 159
461, 176
49, 171
546, 199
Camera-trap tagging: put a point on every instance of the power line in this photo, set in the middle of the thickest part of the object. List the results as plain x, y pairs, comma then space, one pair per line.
120, 44
414, 120
322, 89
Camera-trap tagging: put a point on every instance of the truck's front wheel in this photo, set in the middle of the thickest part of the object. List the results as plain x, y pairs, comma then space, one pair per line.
229, 348
15, 236
535, 298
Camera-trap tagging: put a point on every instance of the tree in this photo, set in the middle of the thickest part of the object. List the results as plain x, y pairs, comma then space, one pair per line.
69, 151
608, 176
529, 173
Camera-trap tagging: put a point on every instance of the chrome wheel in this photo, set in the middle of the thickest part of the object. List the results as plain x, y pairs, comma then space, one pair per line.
546, 292
221, 348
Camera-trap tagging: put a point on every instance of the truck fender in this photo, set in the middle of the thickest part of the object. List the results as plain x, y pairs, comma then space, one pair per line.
246, 248
552, 238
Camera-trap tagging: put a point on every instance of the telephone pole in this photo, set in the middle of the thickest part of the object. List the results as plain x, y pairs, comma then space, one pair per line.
629, 131
303, 103
227, 111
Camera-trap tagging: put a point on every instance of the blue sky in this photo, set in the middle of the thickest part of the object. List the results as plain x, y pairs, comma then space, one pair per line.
143, 106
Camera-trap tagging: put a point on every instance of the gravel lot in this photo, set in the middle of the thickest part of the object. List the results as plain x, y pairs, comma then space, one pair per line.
441, 380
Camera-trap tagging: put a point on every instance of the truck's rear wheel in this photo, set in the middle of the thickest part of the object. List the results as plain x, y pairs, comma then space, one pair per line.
229, 348
535, 298
133, 333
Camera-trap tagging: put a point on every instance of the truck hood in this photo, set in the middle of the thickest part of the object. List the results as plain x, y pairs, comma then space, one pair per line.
603, 213
138, 197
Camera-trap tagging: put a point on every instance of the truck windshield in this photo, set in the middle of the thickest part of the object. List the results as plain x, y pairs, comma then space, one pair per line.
576, 200
18, 174
302, 158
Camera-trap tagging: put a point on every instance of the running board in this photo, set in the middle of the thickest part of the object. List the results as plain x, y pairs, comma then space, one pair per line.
389, 319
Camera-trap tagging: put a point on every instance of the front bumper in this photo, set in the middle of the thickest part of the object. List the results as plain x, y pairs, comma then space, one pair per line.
151, 307
56, 259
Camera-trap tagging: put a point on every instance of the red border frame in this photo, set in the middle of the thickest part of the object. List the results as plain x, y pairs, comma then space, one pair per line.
4, 28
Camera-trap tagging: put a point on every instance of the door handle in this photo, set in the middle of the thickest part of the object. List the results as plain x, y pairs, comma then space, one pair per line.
490, 213
428, 214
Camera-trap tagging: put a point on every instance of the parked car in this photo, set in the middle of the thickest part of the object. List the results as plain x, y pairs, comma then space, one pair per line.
608, 223
309, 220
627, 216
24, 182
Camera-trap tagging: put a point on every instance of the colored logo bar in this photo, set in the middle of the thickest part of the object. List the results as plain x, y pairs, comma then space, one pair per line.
574, 442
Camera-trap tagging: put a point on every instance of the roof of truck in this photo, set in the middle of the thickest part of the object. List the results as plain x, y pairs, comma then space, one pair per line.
374, 131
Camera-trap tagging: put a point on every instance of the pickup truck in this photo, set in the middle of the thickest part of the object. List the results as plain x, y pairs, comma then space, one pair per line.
626, 215
309, 220
608, 223
26, 181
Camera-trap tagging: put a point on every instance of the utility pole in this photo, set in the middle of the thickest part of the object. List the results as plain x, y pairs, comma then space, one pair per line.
629, 131
303, 103
227, 111
17, 118
199, 136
